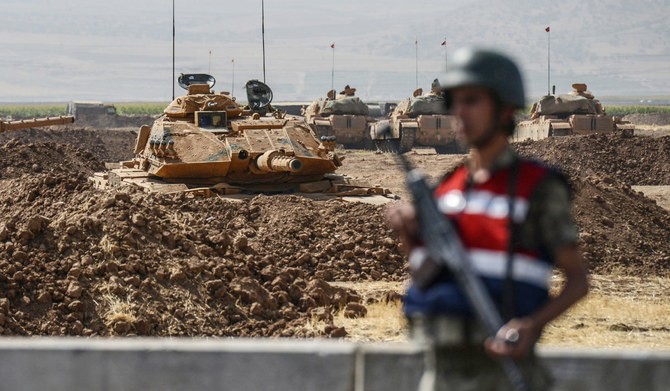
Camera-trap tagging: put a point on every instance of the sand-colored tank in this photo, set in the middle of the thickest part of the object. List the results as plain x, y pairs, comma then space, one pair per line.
343, 116
206, 142
577, 112
35, 122
420, 121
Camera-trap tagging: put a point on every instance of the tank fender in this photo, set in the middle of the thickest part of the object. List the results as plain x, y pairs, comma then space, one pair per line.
142, 138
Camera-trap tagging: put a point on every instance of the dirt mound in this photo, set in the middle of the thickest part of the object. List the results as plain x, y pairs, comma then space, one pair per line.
632, 160
649, 119
19, 159
107, 145
622, 231
77, 261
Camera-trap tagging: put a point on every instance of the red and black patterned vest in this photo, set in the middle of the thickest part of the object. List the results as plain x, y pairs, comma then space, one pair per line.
480, 213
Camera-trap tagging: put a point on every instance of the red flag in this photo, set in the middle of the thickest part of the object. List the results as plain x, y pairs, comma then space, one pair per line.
233, 60
547, 29
332, 45
444, 43
416, 42
210, 52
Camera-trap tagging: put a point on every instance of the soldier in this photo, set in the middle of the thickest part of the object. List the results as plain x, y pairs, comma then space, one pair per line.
514, 218
435, 87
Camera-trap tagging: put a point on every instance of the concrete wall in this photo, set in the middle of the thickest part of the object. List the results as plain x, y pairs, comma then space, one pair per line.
75, 364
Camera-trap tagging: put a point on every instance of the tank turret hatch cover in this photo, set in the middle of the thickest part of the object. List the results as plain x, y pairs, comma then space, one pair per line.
188, 79
259, 94
579, 87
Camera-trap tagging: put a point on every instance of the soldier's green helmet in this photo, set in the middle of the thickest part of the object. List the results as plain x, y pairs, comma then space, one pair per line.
472, 67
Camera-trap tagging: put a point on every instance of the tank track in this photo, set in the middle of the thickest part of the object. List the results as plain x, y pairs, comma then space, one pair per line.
407, 137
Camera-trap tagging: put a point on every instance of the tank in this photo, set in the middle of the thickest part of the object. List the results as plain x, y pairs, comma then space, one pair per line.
420, 121
343, 116
207, 143
577, 112
34, 123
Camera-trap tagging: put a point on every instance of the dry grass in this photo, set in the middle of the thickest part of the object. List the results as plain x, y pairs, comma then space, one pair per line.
383, 322
620, 312
117, 310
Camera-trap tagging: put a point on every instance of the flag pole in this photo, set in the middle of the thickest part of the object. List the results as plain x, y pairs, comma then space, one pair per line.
263, 33
416, 61
445, 54
172, 49
232, 93
332, 72
548, 30
209, 67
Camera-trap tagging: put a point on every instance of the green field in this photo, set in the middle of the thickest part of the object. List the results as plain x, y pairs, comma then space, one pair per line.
621, 110
53, 109
152, 108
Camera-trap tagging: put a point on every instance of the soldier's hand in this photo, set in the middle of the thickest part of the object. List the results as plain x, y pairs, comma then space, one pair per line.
402, 219
514, 340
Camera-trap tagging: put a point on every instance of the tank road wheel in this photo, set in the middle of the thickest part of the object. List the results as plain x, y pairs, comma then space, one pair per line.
407, 136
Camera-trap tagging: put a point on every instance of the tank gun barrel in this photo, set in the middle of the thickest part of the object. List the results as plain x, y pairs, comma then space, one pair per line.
35, 122
276, 161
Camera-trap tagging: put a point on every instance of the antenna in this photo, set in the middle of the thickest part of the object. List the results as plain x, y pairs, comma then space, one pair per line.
233, 83
416, 60
332, 72
263, 33
548, 30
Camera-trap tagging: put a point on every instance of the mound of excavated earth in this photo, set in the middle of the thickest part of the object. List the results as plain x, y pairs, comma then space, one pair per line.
631, 160
78, 261
621, 229
109, 145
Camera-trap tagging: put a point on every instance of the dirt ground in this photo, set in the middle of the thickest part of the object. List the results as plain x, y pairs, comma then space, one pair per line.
78, 261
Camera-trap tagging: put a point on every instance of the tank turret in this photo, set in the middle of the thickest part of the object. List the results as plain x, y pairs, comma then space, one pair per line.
343, 116
577, 112
420, 121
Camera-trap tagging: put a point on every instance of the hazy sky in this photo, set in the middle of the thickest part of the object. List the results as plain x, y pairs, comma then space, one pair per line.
56, 51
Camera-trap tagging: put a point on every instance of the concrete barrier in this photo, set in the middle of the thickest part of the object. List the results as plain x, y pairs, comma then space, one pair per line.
73, 364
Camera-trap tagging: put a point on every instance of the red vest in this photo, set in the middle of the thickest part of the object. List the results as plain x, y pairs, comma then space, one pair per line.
481, 216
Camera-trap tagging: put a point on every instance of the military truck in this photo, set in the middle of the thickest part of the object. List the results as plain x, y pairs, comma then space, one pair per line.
83, 110
577, 112
421, 121
343, 116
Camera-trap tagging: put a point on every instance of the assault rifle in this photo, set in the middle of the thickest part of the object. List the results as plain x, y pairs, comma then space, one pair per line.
444, 247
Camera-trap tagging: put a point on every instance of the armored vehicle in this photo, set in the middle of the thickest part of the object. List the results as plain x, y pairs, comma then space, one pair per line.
343, 116
422, 121
35, 122
206, 143
84, 110
577, 112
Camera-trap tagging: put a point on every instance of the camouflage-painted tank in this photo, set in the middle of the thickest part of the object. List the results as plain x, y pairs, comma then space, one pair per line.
421, 121
207, 142
343, 116
577, 112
